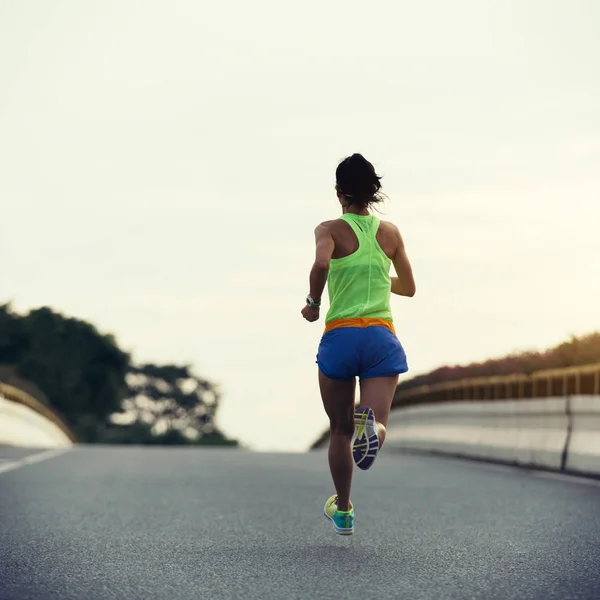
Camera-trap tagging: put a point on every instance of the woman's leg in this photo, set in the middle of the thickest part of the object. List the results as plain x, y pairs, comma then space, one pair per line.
338, 401
377, 394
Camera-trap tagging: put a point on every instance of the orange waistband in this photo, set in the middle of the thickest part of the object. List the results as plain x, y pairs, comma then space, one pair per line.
358, 322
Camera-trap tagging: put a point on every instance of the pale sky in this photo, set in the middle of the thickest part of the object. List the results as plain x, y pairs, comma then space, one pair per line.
163, 165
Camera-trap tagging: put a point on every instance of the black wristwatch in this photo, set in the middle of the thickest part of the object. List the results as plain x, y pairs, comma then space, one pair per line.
310, 302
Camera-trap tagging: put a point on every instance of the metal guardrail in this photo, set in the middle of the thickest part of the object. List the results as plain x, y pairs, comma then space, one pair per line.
20, 397
547, 383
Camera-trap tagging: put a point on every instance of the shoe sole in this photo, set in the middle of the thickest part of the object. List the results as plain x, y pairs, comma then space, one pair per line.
339, 530
364, 449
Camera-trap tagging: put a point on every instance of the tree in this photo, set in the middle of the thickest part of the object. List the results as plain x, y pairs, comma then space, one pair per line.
80, 371
13, 340
177, 405
88, 380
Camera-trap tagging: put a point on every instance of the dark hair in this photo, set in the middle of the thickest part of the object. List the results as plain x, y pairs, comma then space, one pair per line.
357, 181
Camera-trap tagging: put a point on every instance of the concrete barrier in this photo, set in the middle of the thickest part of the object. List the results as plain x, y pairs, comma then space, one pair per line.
548, 419
557, 433
583, 455
25, 422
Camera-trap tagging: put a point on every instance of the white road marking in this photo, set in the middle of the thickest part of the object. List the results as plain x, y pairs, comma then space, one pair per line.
31, 459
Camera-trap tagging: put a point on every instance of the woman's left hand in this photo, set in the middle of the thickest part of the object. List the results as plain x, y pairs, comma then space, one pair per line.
311, 313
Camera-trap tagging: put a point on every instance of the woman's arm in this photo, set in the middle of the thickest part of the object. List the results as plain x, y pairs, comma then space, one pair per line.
404, 283
320, 269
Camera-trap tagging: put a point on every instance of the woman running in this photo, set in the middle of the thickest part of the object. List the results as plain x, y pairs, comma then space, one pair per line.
353, 256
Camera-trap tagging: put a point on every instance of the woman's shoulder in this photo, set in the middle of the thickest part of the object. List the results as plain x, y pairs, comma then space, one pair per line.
330, 225
388, 226
324, 226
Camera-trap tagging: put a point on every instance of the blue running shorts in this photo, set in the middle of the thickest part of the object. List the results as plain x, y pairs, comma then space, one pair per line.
365, 352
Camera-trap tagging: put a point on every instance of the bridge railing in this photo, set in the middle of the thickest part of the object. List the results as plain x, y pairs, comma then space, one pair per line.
548, 383
25, 421
549, 419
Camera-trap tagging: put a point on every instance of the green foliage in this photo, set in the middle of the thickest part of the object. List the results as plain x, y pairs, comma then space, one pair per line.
576, 351
87, 379
140, 433
215, 438
81, 372
176, 404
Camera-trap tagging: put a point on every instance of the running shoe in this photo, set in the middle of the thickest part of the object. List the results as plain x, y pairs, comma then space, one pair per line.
343, 521
366, 442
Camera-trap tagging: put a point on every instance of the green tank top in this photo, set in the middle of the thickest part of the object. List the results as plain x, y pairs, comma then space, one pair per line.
359, 285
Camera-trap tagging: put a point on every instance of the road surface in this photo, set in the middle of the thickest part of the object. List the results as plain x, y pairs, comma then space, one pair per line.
100, 523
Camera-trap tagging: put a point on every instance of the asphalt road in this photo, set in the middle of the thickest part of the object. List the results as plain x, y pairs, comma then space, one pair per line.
100, 523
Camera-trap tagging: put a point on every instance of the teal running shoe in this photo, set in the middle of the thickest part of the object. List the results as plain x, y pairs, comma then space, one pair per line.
343, 522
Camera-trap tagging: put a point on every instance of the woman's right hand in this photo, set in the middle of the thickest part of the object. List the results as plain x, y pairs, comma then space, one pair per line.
311, 313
